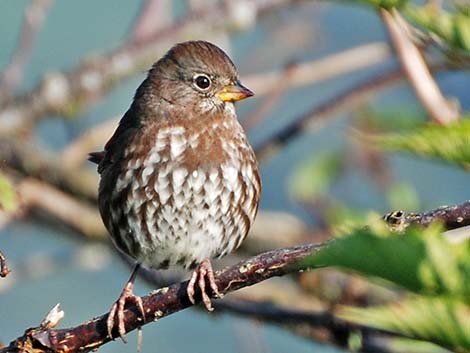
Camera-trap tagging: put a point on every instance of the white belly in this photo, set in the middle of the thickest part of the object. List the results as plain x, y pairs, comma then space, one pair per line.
191, 216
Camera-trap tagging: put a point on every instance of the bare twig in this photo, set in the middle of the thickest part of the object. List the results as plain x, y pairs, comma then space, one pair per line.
53, 317
452, 217
76, 214
63, 174
372, 160
154, 16
67, 93
161, 303
33, 19
317, 115
30, 160
331, 66
269, 83
33, 193
438, 107
75, 154
277, 90
339, 331
166, 301
4, 270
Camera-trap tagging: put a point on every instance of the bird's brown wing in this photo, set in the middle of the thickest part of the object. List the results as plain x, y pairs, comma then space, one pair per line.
96, 157
127, 126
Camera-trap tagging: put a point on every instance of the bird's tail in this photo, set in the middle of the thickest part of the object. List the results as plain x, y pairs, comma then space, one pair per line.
96, 157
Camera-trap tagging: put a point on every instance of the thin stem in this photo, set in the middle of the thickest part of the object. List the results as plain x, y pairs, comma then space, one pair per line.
166, 301
438, 107
33, 20
4, 270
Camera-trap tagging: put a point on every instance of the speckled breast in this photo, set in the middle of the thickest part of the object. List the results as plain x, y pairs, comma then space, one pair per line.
183, 195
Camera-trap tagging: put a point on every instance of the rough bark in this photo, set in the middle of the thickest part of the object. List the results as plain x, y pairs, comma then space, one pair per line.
163, 302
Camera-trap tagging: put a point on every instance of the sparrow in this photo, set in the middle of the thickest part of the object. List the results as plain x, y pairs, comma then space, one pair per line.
180, 183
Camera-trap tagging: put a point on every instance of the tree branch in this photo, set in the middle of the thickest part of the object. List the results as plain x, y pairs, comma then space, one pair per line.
74, 155
30, 160
67, 92
169, 300
4, 270
339, 330
160, 303
33, 19
438, 107
272, 84
452, 217
351, 97
154, 16
34, 193
314, 117
325, 68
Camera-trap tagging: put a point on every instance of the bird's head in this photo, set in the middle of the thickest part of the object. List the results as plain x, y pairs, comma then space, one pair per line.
197, 75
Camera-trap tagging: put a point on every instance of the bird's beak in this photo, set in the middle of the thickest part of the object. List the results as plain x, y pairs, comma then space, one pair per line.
233, 93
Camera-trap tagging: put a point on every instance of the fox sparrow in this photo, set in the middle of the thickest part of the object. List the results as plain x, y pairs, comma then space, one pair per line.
179, 180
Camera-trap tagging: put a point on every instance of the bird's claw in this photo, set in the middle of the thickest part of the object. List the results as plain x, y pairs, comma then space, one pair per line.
203, 272
117, 310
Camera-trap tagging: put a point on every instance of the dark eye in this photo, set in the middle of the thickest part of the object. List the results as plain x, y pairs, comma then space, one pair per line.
202, 81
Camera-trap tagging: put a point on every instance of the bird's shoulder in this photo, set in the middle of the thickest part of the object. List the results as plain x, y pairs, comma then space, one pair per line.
129, 125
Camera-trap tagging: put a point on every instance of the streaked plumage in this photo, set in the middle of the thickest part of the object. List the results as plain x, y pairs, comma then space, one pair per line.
179, 180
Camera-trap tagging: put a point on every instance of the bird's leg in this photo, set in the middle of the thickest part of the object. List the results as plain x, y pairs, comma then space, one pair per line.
203, 272
117, 310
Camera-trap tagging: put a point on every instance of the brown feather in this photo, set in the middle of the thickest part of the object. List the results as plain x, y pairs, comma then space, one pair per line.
96, 157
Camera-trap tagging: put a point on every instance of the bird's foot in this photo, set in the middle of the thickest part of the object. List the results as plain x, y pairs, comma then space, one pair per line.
117, 310
203, 272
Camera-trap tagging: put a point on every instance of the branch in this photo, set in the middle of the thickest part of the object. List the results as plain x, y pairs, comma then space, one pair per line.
73, 156
351, 97
161, 303
272, 84
154, 16
277, 90
339, 330
29, 160
4, 270
438, 107
33, 19
68, 92
76, 214
33, 193
65, 174
452, 217
328, 67
313, 118
169, 300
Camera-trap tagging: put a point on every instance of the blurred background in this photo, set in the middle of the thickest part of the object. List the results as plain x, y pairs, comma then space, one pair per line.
326, 80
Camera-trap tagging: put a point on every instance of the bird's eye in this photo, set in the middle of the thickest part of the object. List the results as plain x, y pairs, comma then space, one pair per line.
202, 82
